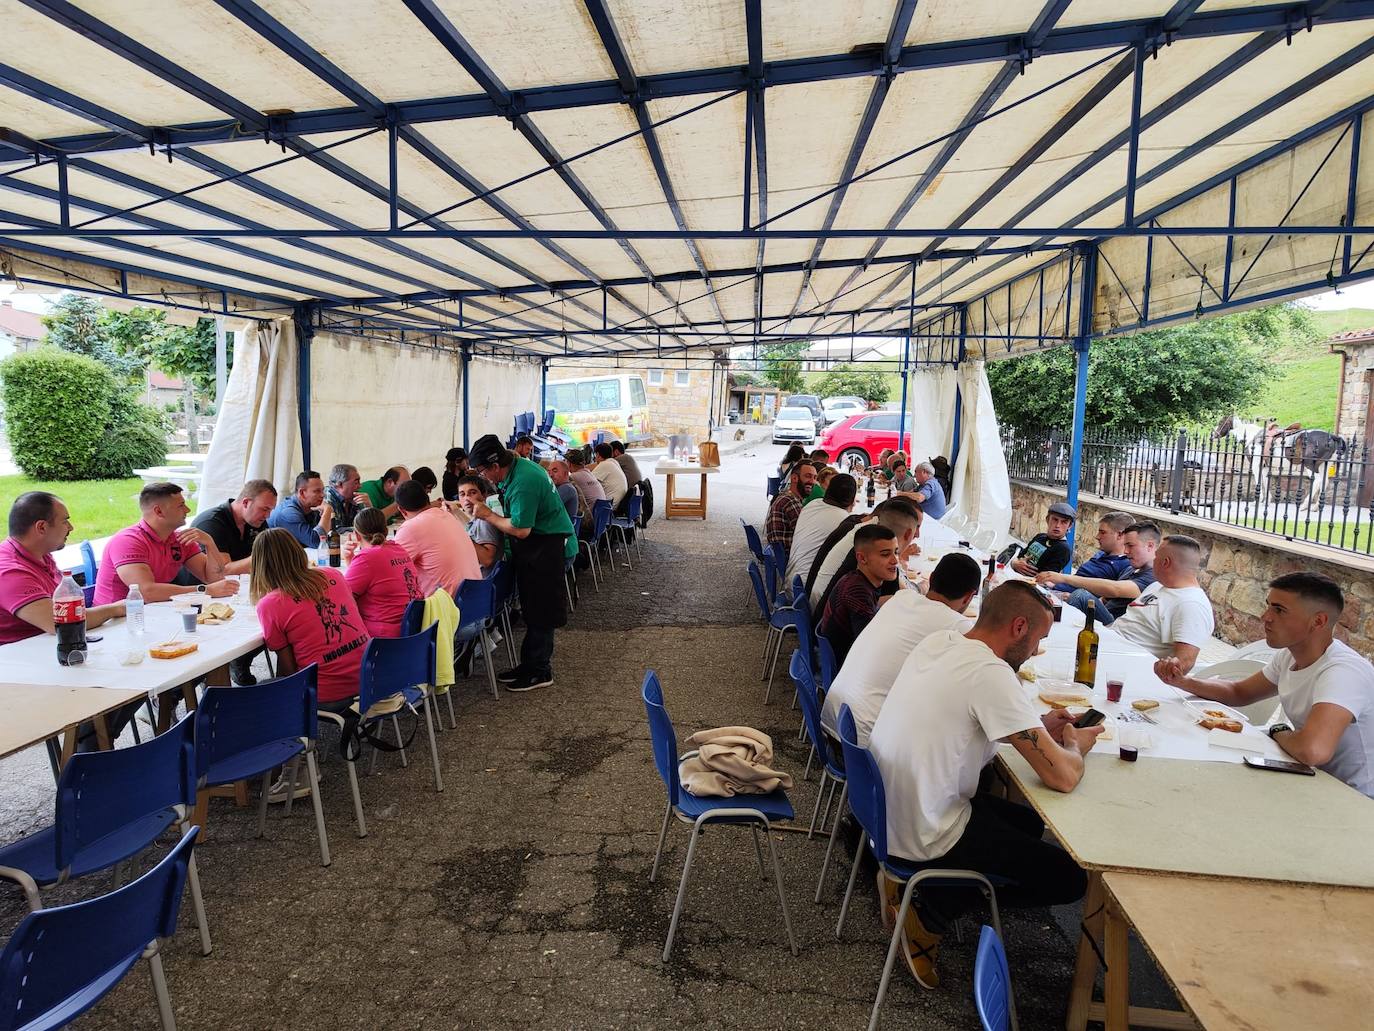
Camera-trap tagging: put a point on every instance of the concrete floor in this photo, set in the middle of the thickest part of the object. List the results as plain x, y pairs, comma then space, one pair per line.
519, 897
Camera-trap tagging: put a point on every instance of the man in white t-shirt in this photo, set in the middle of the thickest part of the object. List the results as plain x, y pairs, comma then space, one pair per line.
956, 697
1325, 686
816, 522
899, 626
1172, 618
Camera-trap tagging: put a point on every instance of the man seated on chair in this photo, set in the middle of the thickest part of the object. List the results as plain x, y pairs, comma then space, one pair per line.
561, 475
786, 508
954, 699
381, 492
611, 476
234, 524
627, 463
435, 541
487, 540
854, 600
835, 557
343, 494
901, 481
929, 495
1048, 552
305, 514
908, 618
1172, 618
1108, 582
160, 546
524, 446
1326, 688
816, 522
590, 487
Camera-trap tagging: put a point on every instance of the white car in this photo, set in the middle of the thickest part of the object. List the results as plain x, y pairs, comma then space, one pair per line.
837, 409
794, 425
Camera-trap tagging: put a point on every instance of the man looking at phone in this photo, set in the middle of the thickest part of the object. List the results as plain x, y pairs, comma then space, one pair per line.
1325, 686
956, 697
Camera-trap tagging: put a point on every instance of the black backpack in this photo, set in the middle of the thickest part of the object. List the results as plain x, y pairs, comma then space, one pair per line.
646, 506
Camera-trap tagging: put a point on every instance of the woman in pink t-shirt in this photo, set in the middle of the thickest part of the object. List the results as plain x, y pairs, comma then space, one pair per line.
380, 575
307, 615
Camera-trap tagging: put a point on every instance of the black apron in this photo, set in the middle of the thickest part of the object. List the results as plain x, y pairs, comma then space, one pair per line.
539, 568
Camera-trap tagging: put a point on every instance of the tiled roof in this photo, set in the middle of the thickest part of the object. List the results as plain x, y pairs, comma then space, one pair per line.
23, 324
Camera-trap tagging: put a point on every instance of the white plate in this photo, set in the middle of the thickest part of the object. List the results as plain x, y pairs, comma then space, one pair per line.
1199, 705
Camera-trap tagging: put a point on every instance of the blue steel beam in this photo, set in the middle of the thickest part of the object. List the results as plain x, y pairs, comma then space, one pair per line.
1282, 17
753, 24
1081, 346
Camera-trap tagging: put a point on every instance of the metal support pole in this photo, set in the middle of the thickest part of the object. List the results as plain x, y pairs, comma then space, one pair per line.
305, 331
958, 398
1081, 344
543, 390
901, 417
1352, 188
467, 359
63, 193
221, 361
392, 191
1133, 146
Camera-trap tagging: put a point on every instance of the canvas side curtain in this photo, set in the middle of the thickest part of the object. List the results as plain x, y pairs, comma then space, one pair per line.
982, 490
257, 433
500, 391
930, 412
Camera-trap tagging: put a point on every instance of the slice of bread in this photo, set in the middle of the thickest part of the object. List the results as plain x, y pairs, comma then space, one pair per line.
1144, 704
172, 649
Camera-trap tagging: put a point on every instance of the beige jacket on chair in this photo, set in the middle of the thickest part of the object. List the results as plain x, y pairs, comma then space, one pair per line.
731, 761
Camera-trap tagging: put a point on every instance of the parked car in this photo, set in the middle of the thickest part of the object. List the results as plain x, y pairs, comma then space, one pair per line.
862, 436
794, 424
812, 404
839, 408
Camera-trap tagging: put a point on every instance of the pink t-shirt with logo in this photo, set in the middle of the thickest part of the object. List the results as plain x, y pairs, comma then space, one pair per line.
139, 545
329, 632
383, 581
23, 581
441, 549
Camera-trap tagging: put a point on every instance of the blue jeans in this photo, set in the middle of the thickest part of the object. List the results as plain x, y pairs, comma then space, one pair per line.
1083, 600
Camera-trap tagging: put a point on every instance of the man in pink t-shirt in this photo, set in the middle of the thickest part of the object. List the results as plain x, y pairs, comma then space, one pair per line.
39, 526
154, 551
436, 542
329, 632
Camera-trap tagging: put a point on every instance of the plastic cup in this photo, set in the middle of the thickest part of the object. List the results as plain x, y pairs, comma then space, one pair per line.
1114, 690
188, 621
1128, 742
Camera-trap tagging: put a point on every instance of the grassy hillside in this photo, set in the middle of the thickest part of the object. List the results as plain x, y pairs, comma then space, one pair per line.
1305, 392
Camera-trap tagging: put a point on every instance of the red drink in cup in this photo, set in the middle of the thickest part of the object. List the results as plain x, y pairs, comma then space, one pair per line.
1114, 690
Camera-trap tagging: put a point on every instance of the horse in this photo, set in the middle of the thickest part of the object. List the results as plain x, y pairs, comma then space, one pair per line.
1289, 451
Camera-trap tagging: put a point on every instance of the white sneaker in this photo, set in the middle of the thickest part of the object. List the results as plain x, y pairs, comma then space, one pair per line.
277, 793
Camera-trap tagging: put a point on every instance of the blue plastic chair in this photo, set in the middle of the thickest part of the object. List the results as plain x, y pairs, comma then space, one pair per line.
62, 961
570, 566
89, 567
502, 577
779, 618
111, 806
832, 770
244, 732
404, 666
751, 535
412, 622
88, 594
992, 982
828, 668
476, 609
774, 483
867, 800
602, 513
629, 522
698, 810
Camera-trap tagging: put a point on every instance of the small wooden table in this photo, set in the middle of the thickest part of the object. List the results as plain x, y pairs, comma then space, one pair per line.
675, 506
31, 714
1246, 954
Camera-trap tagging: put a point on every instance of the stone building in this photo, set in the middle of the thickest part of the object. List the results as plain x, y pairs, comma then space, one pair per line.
1353, 414
683, 396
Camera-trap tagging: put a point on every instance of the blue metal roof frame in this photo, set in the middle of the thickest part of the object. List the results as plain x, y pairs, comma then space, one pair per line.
532, 307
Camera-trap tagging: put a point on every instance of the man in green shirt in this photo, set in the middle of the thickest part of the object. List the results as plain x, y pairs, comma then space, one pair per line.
381, 492
540, 536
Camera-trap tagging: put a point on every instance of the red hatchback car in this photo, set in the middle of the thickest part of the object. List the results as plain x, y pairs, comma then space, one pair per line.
863, 436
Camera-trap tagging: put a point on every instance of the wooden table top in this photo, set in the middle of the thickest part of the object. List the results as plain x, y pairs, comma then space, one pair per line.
1208, 818
30, 713
1255, 955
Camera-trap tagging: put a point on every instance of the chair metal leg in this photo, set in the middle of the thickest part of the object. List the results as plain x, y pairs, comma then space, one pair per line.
891, 954
758, 852
396, 726
488, 663
508, 635
682, 890
315, 801
567, 586
357, 800
164, 1002
782, 895
810, 758
262, 803
662, 836
372, 763
452, 718
834, 831
433, 747
198, 903
625, 543
849, 888
591, 564
816, 810
829, 803
292, 772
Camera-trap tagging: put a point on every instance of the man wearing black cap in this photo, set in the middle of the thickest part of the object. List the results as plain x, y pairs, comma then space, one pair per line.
1049, 552
455, 468
541, 541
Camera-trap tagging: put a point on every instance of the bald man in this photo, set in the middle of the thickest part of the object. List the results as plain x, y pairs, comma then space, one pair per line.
1172, 618
561, 474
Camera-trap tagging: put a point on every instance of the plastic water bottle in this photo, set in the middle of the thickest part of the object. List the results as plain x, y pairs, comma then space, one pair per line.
133, 611
322, 554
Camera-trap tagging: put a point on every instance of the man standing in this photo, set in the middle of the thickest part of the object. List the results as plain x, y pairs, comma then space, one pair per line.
304, 514
541, 541
1172, 618
486, 539
234, 524
342, 494
907, 619
787, 506
611, 477
854, 599
627, 463
1048, 552
381, 492
933, 737
154, 551
39, 525
1325, 686
560, 474
817, 522
436, 542
1109, 593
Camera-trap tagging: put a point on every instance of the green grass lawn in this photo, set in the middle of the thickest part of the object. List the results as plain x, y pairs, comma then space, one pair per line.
1304, 392
1354, 536
98, 507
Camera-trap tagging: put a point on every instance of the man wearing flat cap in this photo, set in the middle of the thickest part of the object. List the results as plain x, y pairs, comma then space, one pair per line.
1049, 552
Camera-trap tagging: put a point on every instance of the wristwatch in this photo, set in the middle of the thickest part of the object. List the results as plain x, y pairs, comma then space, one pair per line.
1278, 727
201, 589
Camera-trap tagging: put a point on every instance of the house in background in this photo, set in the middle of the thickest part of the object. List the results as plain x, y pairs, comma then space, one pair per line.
164, 389
19, 330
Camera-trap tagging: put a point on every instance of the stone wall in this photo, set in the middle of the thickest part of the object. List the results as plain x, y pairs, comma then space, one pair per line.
1238, 563
1357, 349
673, 407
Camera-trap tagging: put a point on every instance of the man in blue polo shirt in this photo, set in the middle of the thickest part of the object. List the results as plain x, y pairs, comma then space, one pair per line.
305, 513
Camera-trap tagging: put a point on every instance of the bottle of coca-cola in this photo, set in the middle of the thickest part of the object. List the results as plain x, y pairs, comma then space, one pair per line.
69, 619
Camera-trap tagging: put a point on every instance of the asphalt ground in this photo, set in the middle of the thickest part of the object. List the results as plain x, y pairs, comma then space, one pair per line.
519, 896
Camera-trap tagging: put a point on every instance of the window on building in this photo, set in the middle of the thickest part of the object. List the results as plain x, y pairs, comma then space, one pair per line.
682, 378
655, 377
637, 391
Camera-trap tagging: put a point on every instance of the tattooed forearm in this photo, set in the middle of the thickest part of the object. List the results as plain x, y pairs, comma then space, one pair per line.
1033, 736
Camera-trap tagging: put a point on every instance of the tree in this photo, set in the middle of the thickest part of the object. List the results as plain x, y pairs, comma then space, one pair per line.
186, 352
782, 365
846, 380
1147, 382
79, 325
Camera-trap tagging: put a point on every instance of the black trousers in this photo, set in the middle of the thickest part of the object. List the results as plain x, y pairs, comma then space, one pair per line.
1004, 842
538, 562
